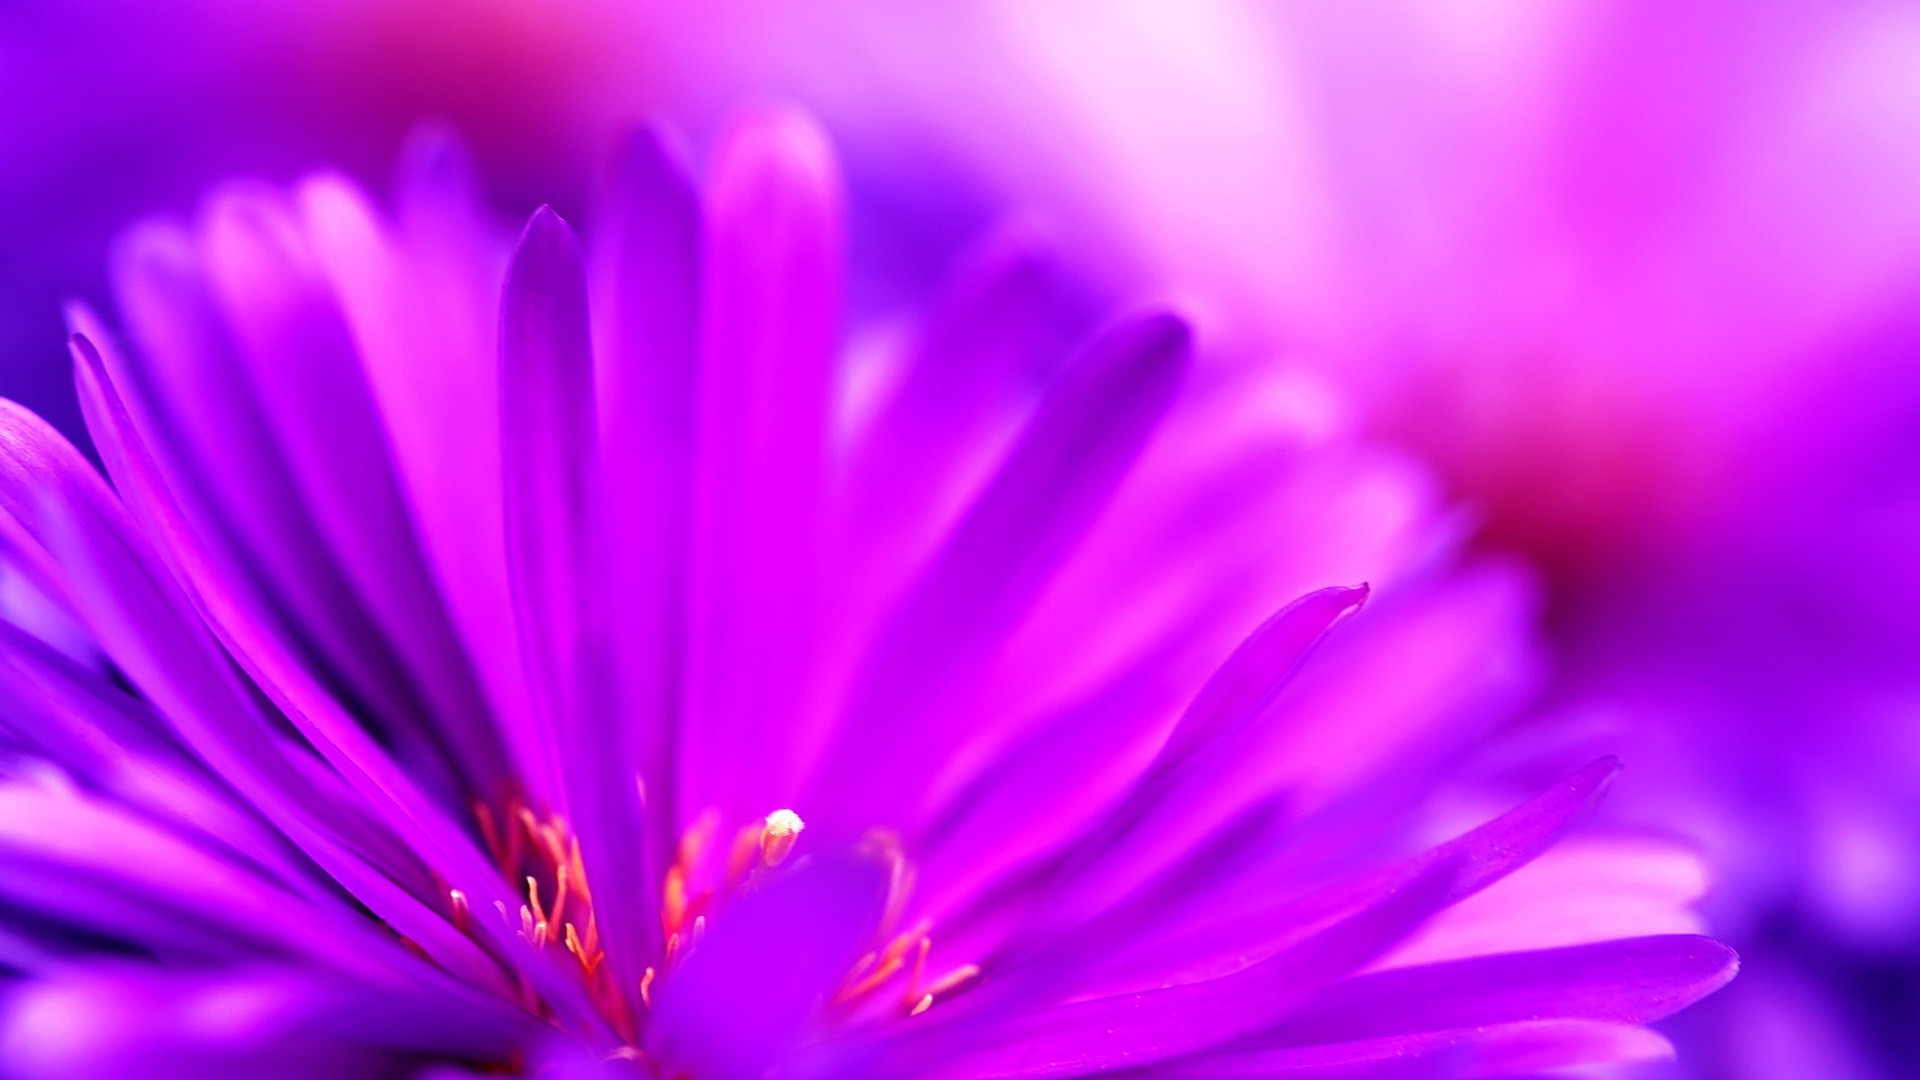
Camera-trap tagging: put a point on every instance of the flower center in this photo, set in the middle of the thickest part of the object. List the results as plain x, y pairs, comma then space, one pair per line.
541, 856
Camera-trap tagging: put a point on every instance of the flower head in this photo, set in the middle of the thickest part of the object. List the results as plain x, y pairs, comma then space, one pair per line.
654, 687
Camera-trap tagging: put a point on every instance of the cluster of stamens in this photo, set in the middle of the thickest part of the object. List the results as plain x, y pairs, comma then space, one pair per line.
904, 950
542, 854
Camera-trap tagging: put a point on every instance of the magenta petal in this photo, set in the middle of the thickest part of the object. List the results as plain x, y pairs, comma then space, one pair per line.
1633, 981
1177, 798
551, 450
974, 372
771, 298
1256, 926
304, 368
744, 997
556, 560
256, 1020
359, 760
63, 713
1054, 481
645, 298
142, 620
1526, 1048
1236, 693
85, 863
1138, 1029
241, 487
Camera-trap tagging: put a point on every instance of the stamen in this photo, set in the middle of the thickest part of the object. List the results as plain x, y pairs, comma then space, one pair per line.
539, 848
945, 984
533, 900
559, 892
954, 980
673, 899
901, 875
919, 968
780, 833
875, 969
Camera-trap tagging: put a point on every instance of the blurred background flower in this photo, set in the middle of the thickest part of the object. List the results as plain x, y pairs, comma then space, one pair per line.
1635, 282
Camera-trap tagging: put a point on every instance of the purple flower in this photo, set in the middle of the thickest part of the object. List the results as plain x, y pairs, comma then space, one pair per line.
658, 688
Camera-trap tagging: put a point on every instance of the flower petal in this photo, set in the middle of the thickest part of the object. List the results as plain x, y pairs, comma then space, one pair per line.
1260, 924
1163, 815
903, 722
557, 563
645, 300
260, 1020
1141, 1028
1630, 981
770, 323
1502, 1051
299, 355
223, 460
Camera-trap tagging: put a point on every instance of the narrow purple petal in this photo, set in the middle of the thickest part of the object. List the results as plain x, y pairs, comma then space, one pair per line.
1041, 791
257, 1020
1256, 924
83, 862
557, 560
1508, 1051
902, 725
422, 302
106, 738
645, 292
974, 372
1179, 798
1141, 1028
1256, 671
224, 460
143, 623
304, 367
1632, 981
771, 298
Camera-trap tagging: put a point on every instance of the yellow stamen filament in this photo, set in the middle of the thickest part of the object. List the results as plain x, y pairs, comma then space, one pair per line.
875, 969
533, 900
560, 884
